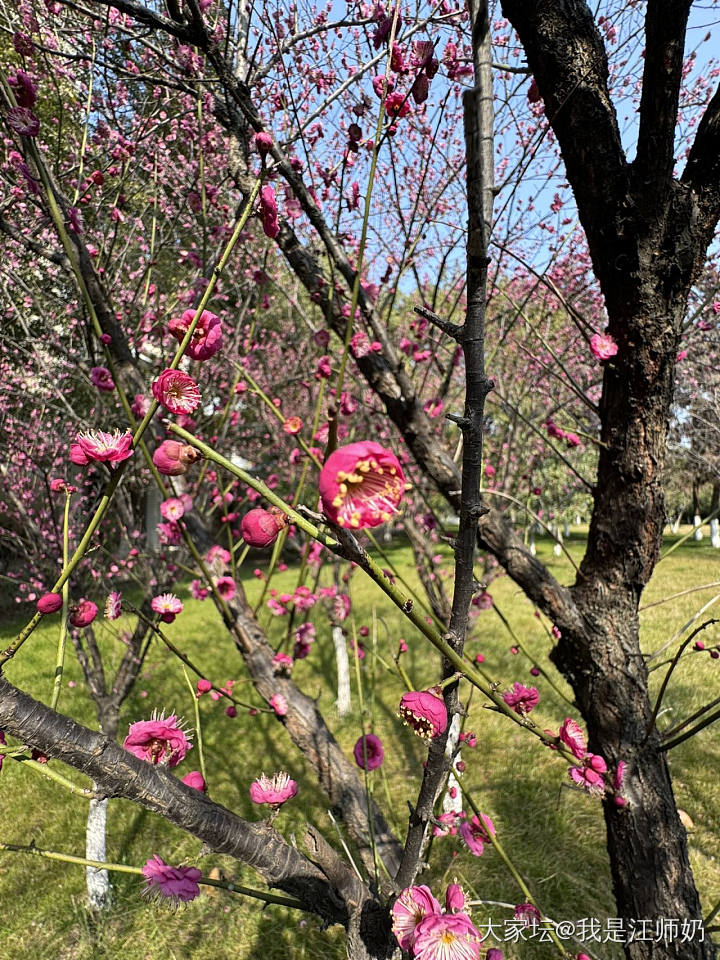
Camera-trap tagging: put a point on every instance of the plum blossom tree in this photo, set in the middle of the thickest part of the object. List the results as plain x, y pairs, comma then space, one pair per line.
330, 153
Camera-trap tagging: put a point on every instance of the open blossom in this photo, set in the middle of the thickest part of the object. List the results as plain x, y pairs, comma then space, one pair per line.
361, 485
573, 737
521, 699
304, 639
113, 605
368, 752
447, 937
476, 834
293, 425
260, 528
172, 509
279, 704
410, 908
167, 605
176, 391
101, 447
528, 913
84, 613
23, 121
603, 346
159, 740
173, 458
590, 775
225, 586
273, 791
101, 378
425, 712
206, 339
170, 883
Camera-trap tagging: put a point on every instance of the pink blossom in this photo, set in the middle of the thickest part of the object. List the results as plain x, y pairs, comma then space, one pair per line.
170, 883
167, 605
590, 775
476, 834
101, 378
203, 686
528, 913
275, 791
263, 143
260, 528
84, 613
49, 603
341, 607
172, 508
113, 605
140, 405
425, 712
304, 638
173, 458
410, 908
216, 552
293, 425
158, 740
23, 121
279, 704
225, 586
368, 752
198, 591
206, 339
603, 346
269, 212
101, 447
495, 954
447, 937
24, 88
195, 780
521, 699
361, 485
282, 663
573, 737
455, 899
176, 391
483, 601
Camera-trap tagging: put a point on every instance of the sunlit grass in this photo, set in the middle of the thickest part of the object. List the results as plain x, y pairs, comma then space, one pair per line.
554, 834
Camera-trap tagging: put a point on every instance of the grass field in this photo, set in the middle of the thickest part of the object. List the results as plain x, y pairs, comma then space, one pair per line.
553, 834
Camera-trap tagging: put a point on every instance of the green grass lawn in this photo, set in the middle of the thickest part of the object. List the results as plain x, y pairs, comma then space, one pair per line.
554, 834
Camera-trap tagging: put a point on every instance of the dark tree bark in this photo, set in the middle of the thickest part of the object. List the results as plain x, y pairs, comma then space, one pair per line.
646, 232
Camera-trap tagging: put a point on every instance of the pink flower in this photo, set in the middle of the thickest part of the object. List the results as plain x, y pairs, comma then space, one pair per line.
293, 425
361, 485
324, 370
170, 883
158, 740
216, 552
225, 586
269, 212
590, 775
368, 752
101, 378
23, 121
279, 704
341, 607
195, 780
455, 899
167, 605
84, 614
260, 528
425, 712
603, 346
113, 605
410, 908
483, 601
495, 954
101, 447
273, 792
173, 458
172, 509
206, 339
521, 699
447, 937
282, 663
304, 638
176, 391
203, 686
476, 834
263, 143
573, 737
49, 603
528, 913
140, 405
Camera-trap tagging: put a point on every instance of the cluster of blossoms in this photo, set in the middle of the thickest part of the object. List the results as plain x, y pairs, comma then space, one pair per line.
428, 932
591, 774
